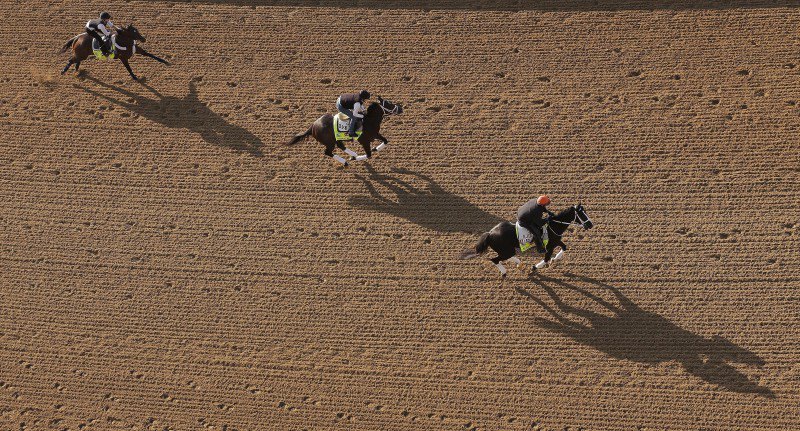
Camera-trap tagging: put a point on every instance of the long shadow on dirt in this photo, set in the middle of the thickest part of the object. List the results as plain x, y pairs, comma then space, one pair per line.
188, 113
625, 331
426, 204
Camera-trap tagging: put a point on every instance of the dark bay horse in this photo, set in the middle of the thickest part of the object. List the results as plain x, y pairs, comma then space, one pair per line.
126, 38
322, 131
503, 238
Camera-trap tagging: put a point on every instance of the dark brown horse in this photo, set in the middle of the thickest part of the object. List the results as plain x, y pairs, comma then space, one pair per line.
126, 38
322, 131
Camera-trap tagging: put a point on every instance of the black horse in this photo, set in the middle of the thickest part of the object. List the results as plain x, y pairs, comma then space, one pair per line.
322, 131
503, 238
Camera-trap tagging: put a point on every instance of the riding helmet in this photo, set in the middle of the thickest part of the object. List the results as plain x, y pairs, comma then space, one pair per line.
543, 200
105, 15
364, 94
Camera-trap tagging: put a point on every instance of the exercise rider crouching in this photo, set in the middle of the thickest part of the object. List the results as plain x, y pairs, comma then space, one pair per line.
530, 222
99, 29
353, 105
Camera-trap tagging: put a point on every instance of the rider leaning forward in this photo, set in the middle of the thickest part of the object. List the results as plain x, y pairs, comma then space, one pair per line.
353, 105
530, 218
99, 28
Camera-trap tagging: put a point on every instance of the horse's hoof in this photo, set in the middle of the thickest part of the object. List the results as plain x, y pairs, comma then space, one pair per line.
352, 157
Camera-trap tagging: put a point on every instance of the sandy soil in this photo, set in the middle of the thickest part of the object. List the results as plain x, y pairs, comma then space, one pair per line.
166, 263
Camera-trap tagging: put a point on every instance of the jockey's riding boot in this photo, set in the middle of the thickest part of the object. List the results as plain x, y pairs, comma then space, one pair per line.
537, 241
353, 127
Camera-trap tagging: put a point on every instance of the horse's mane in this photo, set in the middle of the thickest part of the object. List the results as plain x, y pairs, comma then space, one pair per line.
565, 211
373, 108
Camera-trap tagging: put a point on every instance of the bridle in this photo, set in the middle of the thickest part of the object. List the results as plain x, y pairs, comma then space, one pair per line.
387, 111
577, 220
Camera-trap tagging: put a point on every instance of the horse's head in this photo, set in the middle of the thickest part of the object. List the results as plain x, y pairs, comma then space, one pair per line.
388, 107
581, 217
133, 32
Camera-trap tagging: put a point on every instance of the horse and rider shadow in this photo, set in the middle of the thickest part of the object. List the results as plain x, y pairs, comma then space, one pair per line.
419, 199
188, 112
625, 331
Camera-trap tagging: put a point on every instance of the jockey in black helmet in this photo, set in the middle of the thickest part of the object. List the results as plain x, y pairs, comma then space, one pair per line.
353, 105
99, 28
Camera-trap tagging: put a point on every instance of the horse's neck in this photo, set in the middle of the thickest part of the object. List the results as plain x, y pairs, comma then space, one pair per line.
122, 39
374, 117
565, 218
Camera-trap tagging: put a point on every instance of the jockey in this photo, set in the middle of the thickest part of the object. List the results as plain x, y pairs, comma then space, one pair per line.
530, 222
353, 105
99, 28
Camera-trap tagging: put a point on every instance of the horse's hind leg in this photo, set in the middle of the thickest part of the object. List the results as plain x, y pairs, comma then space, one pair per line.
497, 261
130, 71
353, 155
69, 63
338, 158
77, 65
503, 256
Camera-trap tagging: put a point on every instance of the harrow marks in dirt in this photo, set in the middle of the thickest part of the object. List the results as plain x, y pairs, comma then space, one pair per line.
167, 263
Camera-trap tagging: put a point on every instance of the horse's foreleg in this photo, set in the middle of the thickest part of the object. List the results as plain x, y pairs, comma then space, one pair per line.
560, 254
147, 54
77, 65
383, 143
367, 147
128, 66
547, 256
353, 155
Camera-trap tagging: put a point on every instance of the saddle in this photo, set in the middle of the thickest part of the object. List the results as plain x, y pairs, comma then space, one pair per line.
341, 127
97, 50
525, 237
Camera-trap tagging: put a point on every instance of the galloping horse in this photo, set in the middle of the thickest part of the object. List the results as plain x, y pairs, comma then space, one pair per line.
126, 38
322, 131
503, 238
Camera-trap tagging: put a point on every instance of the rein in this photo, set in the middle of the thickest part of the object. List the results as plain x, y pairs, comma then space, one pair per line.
392, 111
575, 217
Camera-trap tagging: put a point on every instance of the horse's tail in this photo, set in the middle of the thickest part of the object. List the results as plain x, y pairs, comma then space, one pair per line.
69, 44
480, 248
300, 137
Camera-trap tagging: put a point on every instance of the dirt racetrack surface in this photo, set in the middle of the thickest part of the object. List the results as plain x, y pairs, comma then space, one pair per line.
167, 263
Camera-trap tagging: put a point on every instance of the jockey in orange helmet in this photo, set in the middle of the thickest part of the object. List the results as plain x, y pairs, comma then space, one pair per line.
530, 218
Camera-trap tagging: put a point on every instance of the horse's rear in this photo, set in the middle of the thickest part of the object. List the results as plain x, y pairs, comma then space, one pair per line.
502, 238
81, 46
322, 130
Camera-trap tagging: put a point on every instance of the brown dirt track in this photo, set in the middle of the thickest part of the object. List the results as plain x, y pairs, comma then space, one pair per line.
185, 270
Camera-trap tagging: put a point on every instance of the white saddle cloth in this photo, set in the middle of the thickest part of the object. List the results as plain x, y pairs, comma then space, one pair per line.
524, 236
